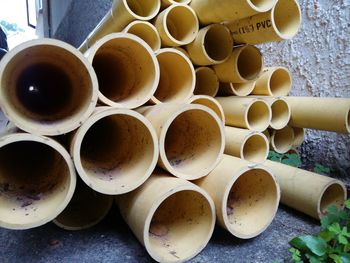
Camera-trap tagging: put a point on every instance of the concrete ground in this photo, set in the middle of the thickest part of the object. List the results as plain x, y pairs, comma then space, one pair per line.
113, 241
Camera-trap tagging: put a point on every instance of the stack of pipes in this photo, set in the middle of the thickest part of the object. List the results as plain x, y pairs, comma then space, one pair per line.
134, 113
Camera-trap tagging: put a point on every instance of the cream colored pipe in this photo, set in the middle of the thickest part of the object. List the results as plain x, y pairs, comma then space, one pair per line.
282, 140
177, 77
274, 81
37, 180
47, 87
244, 112
207, 83
146, 31
329, 114
307, 192
121, 14
127, 70
267, 135
246, 196
213, 45
166, 3
86, 209
236, 89
115, 150
177, 25
246, 144
191, 138
209, 102
212, 11
299, 136
244, 65
172, 218
281, 23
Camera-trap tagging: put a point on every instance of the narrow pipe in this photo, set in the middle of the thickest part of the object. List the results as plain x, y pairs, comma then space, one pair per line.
299, 136
47, 87
247, 145
244, 112
274, 81
236, 89
172, 218
212, 45
146, 31
177, 25
246, 196
115, 150
127, 70
210, 103
307, 192
282, 140
86, 209
281, 23
329, 114
207, 83
191, 138
177, 77
37, 180
244, 65
119, 16
210, 11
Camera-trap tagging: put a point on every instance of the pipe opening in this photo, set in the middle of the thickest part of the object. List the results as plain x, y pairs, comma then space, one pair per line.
255, 149
263, 5
207, 83
147, 32
286, 18
144, 9
116, 154
249, 63
86, 209
258, 116
193, 144
253, 195
280, 82
334, 194
177, 77
243, 89
218, 42
180, 226
126, 72
280, 114
182, 24
34, 183
282, 140
211, 103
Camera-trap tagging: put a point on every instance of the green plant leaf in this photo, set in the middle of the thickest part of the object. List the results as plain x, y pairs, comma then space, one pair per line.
320, 169
296, 255
335, 228
345, 258
326, 235
347, 204
274, 156
336, 258
342, 240
291, 159
316, 245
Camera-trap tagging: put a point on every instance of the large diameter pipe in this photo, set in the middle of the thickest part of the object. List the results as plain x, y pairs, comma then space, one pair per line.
127, 70
47, 87
172, 218
115, 150
329, 114
236, 89
246, 196
146, 31
281, 23
212, 11
282, 140
119, 16
213, 45
177, 25
274, 81
247, 145
207, 83
209, 102
191, 138
37, 180
244, 65
307, 192
86, 209
177, 77
244, 112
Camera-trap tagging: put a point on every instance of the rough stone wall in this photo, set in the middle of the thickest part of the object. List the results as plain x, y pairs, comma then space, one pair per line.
318, 57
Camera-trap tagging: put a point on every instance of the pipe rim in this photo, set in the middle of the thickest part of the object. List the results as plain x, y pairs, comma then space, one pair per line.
287, 136
242, 89
252, 54
156, 205
139, 100
299, 136
262, 140
341, 196
347, 121
77, 145
209, 102
162, 137
24, 137
206, 76
150, 15
264, 7
280, 115
257, 123
56, 127
279, 89
228, 189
